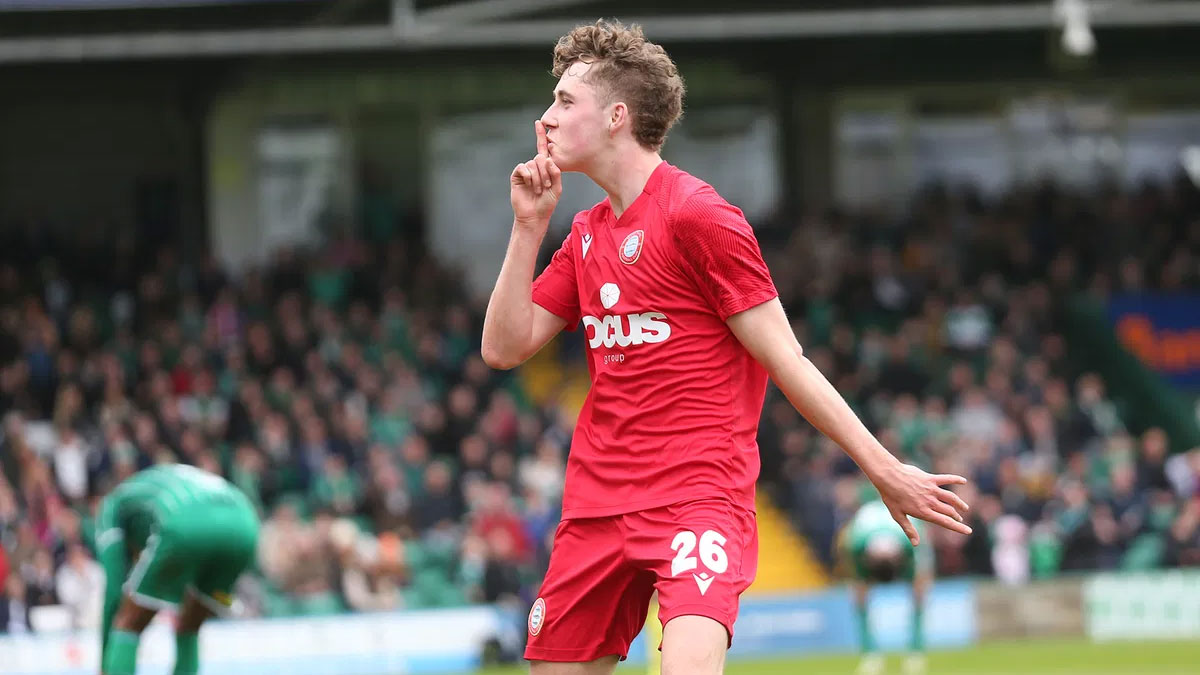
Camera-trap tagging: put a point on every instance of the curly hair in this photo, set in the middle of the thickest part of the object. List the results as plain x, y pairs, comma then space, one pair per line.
629, 68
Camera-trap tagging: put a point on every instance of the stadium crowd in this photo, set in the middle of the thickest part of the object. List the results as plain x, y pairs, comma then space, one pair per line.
945, 332
343, 391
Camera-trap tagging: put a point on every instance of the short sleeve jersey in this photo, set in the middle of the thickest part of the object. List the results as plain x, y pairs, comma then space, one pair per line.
675, 399
146, 499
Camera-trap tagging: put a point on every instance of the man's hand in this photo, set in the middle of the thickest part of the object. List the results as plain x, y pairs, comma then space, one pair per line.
909, 491
536, 186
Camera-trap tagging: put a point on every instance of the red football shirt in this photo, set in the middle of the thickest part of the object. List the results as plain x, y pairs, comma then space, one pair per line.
675, 400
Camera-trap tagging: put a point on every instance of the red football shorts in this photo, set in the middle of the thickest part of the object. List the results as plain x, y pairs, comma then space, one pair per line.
699, 555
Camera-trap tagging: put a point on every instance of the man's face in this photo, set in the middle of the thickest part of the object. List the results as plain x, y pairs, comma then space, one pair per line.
577, 122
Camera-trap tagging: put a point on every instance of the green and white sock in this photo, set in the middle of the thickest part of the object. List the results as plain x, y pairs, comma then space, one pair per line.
864, 630
187, 653
121, 655
918, 627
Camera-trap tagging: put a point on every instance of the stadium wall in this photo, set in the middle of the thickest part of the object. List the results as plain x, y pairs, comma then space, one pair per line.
960, 613
1153, 606
1042, 609
365, 644
453, 640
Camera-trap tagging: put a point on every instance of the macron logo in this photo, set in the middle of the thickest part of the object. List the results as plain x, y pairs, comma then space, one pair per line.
703, 581
587, 243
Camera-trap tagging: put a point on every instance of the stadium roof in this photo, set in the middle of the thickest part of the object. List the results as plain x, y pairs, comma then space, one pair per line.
259, 27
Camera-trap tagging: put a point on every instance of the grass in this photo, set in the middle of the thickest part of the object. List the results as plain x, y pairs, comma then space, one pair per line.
1014, 658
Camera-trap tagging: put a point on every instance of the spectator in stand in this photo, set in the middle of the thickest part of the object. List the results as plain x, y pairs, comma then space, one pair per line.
14, 608
80, 587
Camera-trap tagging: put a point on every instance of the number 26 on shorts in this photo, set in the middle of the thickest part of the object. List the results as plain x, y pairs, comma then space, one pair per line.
711, 554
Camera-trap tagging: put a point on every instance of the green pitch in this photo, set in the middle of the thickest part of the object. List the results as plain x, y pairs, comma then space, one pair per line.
1023, 658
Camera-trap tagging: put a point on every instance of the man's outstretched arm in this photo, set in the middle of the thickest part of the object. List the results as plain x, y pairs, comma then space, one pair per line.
907, 490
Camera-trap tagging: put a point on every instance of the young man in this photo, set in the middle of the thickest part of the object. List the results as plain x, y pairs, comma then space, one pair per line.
683, 328
877, 551
196, 533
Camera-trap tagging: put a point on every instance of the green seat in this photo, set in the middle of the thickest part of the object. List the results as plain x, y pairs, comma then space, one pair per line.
1145, 553
429, 589
277, 603
364, 524
415, 555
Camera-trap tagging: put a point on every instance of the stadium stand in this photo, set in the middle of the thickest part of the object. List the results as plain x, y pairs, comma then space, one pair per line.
343, 391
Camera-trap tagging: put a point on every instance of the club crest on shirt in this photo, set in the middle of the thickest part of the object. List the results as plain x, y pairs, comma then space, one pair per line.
537, 615
631, 248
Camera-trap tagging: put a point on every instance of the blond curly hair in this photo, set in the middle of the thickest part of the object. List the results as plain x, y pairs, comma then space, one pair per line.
627, 67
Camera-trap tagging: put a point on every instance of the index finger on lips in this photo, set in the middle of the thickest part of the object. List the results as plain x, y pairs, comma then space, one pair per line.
543, 146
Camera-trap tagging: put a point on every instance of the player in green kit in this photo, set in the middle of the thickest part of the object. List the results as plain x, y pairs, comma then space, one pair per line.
189, 535
878, 551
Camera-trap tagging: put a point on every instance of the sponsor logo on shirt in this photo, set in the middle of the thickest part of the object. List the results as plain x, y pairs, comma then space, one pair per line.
615, 330
631, 248
622, 331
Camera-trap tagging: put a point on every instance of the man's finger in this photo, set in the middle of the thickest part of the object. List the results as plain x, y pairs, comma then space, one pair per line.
949, 479
555, 176
905, 524
947, 522
543, 146
946, 509
543, 165
521, 175
954, 500
535, 176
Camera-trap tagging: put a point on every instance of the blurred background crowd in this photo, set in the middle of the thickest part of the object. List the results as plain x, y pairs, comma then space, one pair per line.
341, 388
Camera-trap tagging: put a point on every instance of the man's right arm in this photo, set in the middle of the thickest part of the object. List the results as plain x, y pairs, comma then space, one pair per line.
516, 327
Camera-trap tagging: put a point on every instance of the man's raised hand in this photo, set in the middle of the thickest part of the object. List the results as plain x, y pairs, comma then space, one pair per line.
536, 185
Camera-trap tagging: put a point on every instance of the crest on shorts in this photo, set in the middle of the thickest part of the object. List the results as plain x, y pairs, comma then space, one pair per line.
631, 248
537, 616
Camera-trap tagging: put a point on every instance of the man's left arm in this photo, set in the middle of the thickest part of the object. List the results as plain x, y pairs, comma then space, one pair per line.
907, 490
